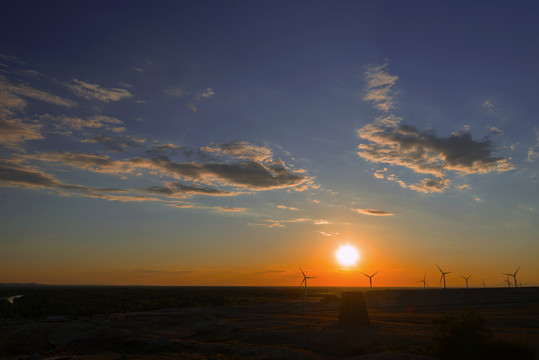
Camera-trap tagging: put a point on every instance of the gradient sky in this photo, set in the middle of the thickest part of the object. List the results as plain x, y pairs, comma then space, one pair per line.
229, 142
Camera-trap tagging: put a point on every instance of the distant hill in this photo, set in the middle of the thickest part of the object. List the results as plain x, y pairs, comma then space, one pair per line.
20, 284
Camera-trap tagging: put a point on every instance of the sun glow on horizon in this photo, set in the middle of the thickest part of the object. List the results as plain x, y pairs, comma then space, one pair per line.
347, 255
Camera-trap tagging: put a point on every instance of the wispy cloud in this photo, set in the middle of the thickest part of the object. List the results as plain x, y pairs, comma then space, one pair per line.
12, 96
328, 234
270, 223
13, 132
373, 212
116, 143
66, 125
464, 187
206, 93
379, 87
287, 207
91, 91
533, 154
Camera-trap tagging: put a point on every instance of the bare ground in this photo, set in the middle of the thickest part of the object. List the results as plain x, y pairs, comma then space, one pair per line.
400, 329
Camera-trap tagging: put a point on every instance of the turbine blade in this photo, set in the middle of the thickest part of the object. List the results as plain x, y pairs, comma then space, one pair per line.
438, 268
441, 278
375, 273
517, 270
302, 281
302, 271
365, 274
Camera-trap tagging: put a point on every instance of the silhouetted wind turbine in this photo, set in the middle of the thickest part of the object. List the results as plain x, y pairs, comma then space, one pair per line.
484, 285
305, 277
508, 282
514, 276
370, 277
424, 281
466, 278
443, 275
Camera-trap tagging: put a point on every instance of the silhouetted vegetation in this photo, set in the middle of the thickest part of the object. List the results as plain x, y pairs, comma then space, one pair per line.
465, 336
76, 301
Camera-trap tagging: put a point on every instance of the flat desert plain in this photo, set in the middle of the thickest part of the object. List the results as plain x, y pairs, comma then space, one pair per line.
401, 325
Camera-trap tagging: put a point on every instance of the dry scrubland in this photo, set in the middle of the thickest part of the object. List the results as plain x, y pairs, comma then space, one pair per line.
278, 327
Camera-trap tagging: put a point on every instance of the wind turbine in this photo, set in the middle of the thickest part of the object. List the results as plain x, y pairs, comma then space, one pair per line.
466, 278
370, 277
424, 281
443, 275
484, 285
507, 281
514, 276
305, 277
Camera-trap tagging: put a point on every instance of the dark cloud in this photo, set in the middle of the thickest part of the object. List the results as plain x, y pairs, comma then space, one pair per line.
248, 174
181, 190
424, 152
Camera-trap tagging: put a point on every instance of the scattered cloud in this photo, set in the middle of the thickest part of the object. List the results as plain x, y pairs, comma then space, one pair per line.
379, 87
116, 143
478, 200
240, 150
388, 141
379, 174
373, 212
328, 234
207, 93
175, 91
91, 91
65, 125
529, 208
533, 154
464, 187
322, 222
230, 209
287, 207
487, 104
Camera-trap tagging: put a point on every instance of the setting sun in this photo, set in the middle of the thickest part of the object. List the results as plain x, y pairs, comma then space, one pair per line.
347, 255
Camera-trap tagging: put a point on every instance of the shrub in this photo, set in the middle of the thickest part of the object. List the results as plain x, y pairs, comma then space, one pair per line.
465, 336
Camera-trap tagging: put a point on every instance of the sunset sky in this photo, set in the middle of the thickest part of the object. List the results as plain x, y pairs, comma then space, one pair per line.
230, 142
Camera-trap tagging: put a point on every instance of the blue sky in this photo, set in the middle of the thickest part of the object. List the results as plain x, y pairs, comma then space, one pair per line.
212, 143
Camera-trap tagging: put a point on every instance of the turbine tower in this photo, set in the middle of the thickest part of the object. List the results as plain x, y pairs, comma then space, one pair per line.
466, 278
305, 277
370, 277
514, 276
424, 281
443, 275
